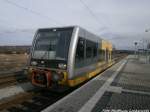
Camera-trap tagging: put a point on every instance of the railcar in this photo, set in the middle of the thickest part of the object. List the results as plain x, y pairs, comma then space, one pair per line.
67, 56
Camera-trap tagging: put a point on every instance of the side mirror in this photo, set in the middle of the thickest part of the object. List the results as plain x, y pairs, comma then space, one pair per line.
29, 50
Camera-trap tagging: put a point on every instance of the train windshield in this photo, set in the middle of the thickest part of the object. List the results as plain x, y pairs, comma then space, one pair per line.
52, 44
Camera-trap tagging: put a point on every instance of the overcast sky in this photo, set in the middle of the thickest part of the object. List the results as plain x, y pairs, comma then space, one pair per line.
121, 21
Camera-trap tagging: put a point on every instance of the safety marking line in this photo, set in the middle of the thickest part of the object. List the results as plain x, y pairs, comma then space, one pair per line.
134, 91
114, 89
92, 102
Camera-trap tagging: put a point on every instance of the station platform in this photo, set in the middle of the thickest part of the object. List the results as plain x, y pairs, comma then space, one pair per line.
124, 87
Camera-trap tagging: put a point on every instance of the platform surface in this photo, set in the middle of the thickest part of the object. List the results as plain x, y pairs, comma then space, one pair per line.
123, 87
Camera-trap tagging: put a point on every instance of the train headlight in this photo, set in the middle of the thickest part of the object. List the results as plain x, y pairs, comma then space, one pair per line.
62, 66
34, 63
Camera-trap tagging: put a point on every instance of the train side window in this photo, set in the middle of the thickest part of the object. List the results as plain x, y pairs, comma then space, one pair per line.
89, 49
95, 49
80, 51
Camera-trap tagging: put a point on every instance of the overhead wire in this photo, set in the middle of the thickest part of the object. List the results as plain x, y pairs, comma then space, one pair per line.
48, 18
92, 13
30, 11
33, 12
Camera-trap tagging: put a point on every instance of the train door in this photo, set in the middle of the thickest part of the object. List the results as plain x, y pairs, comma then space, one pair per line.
106, 55
110, 53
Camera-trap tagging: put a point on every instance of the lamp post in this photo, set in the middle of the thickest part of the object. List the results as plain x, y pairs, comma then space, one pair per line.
135, 43
148, 47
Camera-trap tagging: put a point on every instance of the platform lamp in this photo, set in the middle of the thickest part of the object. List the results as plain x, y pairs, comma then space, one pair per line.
135, 43
148, 47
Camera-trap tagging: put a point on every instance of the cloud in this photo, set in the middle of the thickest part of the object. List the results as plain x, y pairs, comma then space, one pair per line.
120, 21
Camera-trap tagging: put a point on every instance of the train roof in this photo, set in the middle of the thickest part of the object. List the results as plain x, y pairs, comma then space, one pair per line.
59, 27
80, 28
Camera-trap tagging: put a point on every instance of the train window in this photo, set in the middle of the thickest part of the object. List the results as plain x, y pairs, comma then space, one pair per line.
89, 49
87, 53
91, 52
63, 46
95, 48
52, 45
80, 51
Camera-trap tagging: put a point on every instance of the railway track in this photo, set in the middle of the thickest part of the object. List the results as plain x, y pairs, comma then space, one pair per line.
34, 101
16, 99
12, 78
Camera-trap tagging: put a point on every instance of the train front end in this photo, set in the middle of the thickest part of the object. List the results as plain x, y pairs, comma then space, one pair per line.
48, 57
